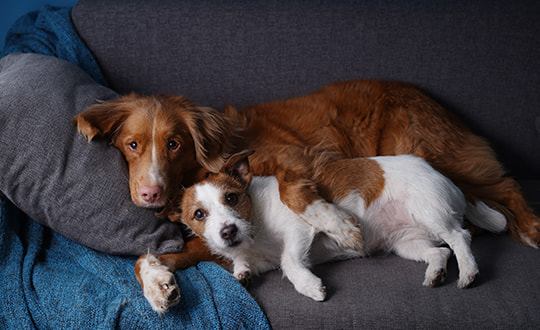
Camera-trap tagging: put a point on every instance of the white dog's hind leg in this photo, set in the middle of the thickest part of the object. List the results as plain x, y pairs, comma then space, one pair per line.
426, 251
437, 259
459, 240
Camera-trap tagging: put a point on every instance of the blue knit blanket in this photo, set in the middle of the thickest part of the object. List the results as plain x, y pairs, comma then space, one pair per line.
50, 32
50, 282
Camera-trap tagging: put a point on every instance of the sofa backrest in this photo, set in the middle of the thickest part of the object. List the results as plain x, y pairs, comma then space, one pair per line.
479, 59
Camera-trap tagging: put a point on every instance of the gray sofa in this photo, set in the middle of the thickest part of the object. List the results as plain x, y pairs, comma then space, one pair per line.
477, 58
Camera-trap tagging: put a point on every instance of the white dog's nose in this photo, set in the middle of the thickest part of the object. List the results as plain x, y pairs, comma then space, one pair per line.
228, 233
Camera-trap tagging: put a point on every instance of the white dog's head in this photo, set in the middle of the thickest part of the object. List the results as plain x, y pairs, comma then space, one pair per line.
218, 208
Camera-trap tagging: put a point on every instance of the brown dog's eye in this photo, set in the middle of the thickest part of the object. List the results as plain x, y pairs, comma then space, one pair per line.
173, 145
199, 215
232, 199
134, 146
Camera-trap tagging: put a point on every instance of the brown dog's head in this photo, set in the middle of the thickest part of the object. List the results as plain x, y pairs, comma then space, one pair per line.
163, 139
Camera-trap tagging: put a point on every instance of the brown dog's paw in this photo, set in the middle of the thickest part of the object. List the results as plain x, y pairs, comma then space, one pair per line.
159, 284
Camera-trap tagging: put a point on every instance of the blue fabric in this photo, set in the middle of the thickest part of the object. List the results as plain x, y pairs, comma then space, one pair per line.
50, 32
50, 282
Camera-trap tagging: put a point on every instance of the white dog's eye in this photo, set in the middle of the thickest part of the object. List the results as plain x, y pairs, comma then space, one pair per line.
199, 215
232, 199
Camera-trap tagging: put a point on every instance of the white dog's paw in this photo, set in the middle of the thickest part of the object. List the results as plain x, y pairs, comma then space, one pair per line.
242, 273
244, 278
435, 277
339, 225
466, 279
158, 283
312, 289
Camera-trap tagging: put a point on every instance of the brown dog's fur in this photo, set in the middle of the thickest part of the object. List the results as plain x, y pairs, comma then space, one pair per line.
350, 119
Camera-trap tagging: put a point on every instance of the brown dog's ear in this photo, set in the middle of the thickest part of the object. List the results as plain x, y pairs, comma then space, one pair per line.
102, 119
212, 134
238, 166
173, 209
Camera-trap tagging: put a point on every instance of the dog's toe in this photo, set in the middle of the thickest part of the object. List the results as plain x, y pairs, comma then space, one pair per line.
162, 293
317, 293
313, 289
467, 280
320, 294
436, 278
244, 278
356, 239
348, 237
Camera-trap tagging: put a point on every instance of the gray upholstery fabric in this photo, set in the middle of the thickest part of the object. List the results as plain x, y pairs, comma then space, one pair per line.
54, 175
386, 292
478, 58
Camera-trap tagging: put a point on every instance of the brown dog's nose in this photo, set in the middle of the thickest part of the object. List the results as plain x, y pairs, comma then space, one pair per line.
150, 194
229, 232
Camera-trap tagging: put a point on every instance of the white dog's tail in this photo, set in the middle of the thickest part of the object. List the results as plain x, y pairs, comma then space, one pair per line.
485, 217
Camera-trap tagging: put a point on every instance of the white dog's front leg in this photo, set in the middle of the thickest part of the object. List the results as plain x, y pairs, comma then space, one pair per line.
242, 270
294, 267
158, 283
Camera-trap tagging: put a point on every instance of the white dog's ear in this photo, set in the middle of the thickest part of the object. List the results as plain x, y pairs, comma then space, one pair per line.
238, 166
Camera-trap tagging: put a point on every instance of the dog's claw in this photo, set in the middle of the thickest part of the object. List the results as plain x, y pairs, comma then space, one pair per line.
312, 289
467, 281
435, 279
244, 278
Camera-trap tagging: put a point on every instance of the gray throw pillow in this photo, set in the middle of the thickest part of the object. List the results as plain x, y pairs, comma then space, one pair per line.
58, 178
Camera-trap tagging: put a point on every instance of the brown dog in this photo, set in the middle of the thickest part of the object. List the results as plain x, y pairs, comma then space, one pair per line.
171, 139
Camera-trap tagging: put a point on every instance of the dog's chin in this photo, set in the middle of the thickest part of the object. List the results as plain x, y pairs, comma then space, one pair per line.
236, 244
155, 205
151, 205
232, 243
241, 242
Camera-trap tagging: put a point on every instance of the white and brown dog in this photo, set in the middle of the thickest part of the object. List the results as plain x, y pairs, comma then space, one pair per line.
401, 203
